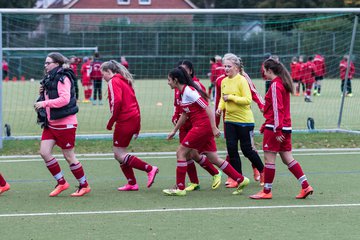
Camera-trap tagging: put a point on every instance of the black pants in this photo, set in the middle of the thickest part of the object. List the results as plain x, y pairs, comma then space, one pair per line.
244, 134
97, 89
348, 86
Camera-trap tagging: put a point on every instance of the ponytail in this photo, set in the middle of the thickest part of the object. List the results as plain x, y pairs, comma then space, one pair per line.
280, 70
117, 67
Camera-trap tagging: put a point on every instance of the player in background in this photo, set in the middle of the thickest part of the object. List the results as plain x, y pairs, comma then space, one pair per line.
295, 68
184, 129
343, 66
301, 74
74, 62
217, 69
124, 62
239, 120
320, 71
267, 81
85, 79
4, 186
125, 114
308, 78
195, 105
5, 68
58, 90
277, 130
96, 79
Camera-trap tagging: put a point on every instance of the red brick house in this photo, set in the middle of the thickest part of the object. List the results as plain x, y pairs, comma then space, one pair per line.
85, 22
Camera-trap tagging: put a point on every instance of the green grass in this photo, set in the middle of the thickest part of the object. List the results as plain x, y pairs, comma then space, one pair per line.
19, 97
300, 140
332, 174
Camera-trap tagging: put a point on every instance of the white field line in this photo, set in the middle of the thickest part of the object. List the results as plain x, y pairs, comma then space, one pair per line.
157, 155
176, 210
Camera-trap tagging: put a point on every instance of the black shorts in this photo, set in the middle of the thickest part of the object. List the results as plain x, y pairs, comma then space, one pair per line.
318, 78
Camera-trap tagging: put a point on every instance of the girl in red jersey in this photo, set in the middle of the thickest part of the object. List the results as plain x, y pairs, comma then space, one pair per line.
184, 129
125, 113
85, 79
277, 130
343, 67
4, 186
196, 108
59, 101
295, 74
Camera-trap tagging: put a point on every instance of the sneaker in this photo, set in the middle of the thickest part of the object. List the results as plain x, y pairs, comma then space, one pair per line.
58, 189
192, 187
152, 175
349, 95
4, 188
128, 187
174, 192
297, 94
305, 192
228, 180
232, 183
307, 99
81, 191
216, 180
262, 179
241, 186
256, 175
86, 101
261, 195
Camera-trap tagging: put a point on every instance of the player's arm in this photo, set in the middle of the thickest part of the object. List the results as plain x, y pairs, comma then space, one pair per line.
179, 123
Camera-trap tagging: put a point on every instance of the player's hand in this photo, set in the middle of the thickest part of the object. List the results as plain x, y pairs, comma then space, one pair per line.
38, 105
174, 120
218, 112
262, 129
226, 97
135, 136
41, 89
262, 110
216, 132
171, 135
109, 126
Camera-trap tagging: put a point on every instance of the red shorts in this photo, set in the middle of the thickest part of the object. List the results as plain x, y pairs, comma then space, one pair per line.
64, 138
86, 82
184, 129
124, 131
270, 144
200, 139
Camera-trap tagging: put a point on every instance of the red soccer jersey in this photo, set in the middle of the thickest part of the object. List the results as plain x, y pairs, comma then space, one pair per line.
95, 71
122, 100
277, 107
194, 105
308, 70
85, 72
295, 68
255, 95
319, 62
73, 66
343, 66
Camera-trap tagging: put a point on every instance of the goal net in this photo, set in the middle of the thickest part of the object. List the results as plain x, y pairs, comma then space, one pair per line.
153, 44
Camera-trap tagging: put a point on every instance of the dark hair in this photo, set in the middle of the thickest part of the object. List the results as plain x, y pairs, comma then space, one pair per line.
310, 58
212, 59
280, 70
189, 65
96, 55
58, 58
183, 77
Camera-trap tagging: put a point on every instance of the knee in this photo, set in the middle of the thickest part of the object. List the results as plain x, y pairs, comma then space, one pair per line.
45, 154
248, 151
119, 157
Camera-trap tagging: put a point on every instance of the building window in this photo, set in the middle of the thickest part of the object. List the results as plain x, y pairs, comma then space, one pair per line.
144, 2
123, 2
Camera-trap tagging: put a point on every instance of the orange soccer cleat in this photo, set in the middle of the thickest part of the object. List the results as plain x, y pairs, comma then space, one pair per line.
305, 192
4, 188
58, 189
261, 195
81, 191
256, 175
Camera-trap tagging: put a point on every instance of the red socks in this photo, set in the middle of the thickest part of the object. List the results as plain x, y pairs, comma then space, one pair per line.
295, 168
181, 167
55, 170
208, 166
231, 172
269, 175
137, 163
191, 171
129, 173
78, 171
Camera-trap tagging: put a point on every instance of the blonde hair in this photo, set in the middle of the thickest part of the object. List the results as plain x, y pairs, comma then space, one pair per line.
117, 67
235, 60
